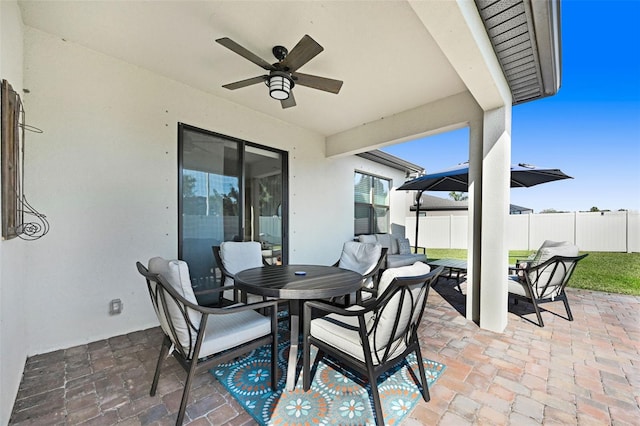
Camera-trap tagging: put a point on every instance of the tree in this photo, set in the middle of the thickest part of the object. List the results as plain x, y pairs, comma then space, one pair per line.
458, 196
552, 211
188, 186
594, 209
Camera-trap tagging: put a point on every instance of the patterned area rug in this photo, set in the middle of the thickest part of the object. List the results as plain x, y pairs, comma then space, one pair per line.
337, 396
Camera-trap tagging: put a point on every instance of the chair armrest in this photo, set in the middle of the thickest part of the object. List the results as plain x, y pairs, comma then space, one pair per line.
554, 259
424, 249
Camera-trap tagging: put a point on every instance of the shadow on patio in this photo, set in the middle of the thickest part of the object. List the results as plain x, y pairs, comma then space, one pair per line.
581, 372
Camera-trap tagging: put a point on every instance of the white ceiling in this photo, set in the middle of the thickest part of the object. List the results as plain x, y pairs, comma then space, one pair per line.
380, 49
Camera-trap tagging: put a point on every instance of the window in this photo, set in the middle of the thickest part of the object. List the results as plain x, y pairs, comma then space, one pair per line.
371, 204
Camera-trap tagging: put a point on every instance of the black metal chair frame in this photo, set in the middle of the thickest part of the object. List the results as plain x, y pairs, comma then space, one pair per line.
162, 293
399, 287
374, 274
533, 278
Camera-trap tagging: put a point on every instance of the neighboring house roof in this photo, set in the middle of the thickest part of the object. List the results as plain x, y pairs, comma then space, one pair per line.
526, 39
431, 203
397, 163
513, 209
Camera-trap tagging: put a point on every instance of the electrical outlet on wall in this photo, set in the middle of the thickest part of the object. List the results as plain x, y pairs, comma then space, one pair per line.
115, 307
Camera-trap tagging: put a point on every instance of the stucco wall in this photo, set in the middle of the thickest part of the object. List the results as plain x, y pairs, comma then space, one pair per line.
13, 344
105, 173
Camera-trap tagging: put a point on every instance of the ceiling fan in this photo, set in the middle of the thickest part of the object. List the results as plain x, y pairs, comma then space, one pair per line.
283, 74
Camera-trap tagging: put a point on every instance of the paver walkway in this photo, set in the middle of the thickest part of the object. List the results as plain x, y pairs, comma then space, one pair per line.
585, 372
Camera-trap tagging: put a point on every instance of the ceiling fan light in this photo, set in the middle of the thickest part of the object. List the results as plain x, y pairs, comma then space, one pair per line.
279, 87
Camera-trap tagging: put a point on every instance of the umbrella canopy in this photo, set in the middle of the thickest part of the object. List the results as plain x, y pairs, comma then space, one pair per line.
457, 178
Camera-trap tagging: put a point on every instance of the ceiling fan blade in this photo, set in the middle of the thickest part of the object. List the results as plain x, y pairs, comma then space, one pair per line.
289, 102
315, 82
306, 49
245, 83
235, 47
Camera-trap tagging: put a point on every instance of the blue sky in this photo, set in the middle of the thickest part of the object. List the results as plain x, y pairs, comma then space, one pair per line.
590, 129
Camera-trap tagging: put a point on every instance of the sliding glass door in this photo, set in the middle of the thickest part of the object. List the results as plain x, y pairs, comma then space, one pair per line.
229, 190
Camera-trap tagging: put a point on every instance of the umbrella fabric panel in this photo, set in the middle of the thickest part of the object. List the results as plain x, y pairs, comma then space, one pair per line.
457, 178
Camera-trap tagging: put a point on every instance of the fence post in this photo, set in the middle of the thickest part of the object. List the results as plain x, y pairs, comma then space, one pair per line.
529, 231
626, 216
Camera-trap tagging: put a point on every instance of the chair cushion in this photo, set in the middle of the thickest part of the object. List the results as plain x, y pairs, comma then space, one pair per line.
176, 273
516, 286
360, 257
238, 256
388, 315
548, 252
229, 330
371, 239
342, 333
404, 246
389, 242
397, 260
546, 245
417, 269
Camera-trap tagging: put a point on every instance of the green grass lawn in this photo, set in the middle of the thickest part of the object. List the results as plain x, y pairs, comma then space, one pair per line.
601, 271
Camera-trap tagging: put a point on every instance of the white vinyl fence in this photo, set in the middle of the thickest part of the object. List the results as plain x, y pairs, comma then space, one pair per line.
598, 231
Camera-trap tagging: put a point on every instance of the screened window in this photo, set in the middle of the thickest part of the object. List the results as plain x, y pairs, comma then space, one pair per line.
371, 196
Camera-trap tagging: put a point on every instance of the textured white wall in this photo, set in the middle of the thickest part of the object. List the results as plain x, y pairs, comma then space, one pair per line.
13, 344
105, 173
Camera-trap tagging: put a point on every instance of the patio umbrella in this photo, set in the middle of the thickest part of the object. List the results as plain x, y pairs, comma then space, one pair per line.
457, 179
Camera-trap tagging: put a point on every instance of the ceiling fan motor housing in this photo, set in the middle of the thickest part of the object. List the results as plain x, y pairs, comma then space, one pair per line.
280, 52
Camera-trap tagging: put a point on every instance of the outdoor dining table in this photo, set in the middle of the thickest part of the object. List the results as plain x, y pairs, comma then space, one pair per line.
454, 266
297, 283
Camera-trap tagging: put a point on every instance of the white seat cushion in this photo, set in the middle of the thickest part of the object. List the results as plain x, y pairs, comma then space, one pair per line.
238, 256
342, 332
543, 277
360, 257
230, 330
388, 316
516, 286
176, 273
367, 238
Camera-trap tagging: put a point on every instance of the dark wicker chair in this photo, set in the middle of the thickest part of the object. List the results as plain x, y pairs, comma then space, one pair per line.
201, 337
544, 282
374, 337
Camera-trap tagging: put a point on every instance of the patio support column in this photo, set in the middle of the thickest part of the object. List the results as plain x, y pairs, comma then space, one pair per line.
489, 182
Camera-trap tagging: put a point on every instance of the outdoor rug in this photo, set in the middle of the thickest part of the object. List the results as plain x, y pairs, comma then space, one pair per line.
337, 396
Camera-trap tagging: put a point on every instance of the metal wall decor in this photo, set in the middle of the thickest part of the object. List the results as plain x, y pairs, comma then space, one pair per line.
19, 218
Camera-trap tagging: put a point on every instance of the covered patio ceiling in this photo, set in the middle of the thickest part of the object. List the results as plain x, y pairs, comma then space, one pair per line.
389, 54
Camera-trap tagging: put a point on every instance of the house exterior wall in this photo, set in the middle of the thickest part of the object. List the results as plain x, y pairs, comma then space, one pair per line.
105, 174
13, 261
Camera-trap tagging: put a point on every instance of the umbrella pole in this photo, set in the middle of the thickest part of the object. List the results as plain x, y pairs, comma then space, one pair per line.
415, 248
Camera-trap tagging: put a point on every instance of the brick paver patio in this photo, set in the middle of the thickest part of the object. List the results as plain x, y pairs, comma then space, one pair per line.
584, 372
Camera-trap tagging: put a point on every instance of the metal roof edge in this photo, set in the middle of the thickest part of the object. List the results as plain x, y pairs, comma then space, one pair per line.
392, 161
